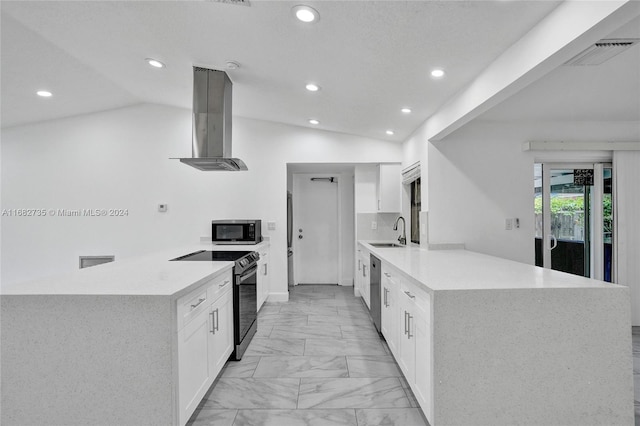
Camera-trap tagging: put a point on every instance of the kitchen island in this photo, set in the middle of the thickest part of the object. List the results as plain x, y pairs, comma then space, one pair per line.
129, 343
487, 341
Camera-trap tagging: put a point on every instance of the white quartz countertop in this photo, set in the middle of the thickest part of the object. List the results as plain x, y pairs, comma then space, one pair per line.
466, 270
150, 275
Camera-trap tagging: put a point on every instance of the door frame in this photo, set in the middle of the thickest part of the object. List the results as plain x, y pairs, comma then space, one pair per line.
595, 226
294, 245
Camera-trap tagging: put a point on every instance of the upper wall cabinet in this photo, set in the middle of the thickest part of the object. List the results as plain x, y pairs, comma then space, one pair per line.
378, 188
389, 188
366, 178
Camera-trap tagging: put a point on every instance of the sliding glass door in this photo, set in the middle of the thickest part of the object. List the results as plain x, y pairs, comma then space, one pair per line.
574, 218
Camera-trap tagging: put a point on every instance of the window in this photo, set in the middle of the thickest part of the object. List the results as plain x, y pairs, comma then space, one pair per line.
415, 211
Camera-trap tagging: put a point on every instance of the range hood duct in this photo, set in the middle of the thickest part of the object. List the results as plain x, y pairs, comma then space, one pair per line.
211, 144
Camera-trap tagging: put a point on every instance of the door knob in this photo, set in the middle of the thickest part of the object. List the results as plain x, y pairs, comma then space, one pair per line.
299, 237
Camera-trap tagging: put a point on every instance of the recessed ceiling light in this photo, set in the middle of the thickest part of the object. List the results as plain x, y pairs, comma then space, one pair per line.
305, 13
313, 121
44, 93
232, 65
389, 132
406, 110
155, 63
437, 73
312, 87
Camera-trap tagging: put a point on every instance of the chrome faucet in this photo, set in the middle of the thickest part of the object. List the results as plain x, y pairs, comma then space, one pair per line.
403, 238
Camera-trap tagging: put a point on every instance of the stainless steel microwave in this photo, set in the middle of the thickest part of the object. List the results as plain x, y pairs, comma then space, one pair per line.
236, 231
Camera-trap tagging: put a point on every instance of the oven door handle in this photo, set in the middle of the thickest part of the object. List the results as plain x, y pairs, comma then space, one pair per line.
246, 275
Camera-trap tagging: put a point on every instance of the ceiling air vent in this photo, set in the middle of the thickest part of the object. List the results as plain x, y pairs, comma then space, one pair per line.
602, 51
238, 2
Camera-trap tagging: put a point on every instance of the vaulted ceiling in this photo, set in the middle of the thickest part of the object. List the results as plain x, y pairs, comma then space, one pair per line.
370, 59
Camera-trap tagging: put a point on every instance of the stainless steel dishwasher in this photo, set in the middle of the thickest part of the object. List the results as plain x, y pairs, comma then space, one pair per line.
374, 292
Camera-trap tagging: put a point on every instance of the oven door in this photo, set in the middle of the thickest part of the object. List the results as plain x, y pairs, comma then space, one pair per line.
247, 303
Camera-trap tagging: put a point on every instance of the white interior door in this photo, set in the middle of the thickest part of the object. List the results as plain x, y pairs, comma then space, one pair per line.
315, 229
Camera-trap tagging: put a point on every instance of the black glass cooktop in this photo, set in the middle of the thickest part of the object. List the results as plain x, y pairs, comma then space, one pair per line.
210, 256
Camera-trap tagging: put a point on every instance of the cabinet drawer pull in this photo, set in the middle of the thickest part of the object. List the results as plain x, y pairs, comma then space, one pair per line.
224, 283
388, 275
198, 304
409, 294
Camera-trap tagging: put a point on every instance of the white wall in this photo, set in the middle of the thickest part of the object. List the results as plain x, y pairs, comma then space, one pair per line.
479, 175
120, 159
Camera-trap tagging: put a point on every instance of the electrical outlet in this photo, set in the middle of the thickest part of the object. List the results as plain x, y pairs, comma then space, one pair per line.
271, 226
374, 224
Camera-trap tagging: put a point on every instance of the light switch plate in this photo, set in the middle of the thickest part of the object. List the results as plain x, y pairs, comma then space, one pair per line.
271, 226
162, 208
374, 224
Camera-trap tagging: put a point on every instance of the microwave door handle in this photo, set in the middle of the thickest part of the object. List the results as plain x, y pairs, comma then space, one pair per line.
247, 274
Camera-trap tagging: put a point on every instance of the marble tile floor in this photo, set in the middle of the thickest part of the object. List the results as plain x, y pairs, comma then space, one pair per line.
316, 360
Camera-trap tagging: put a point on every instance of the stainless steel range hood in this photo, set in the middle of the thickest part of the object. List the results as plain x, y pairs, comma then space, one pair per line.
211, 145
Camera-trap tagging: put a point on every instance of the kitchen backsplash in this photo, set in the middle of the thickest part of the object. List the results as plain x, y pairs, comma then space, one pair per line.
384, 222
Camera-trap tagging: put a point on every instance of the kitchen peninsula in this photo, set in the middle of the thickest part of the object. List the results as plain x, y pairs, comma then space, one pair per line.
133, 342
487, 341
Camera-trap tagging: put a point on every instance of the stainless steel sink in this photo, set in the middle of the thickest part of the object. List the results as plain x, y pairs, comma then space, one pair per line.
385, 245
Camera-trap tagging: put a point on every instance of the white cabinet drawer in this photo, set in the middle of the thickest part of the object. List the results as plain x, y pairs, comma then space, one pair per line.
219, 286
191, 305
419, 297
200, 299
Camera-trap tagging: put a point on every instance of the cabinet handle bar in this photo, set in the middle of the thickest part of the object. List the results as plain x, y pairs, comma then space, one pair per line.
198, 304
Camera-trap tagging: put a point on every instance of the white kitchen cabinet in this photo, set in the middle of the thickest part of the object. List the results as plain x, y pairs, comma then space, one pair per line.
389, 188
365, 272
414, 355
407, 352
378, 188
423, 368
389, 298
195, 369
263, 279
365, 188
357, 281
221, 339
205, 340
